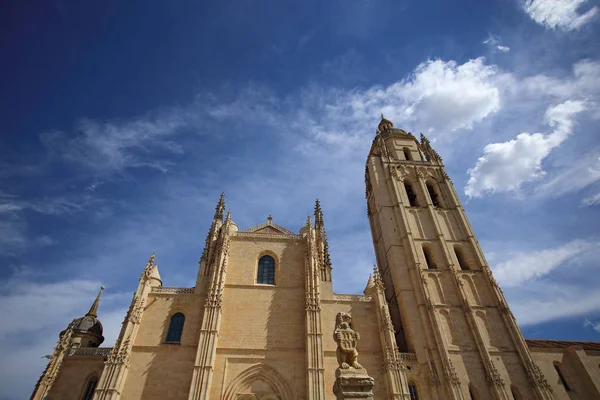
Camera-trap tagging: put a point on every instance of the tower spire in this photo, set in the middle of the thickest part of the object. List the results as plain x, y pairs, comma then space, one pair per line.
94, 308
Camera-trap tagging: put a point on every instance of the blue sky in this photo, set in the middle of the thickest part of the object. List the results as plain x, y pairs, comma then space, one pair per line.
122, 123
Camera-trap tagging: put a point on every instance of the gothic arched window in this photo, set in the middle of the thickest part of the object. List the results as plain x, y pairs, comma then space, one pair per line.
461, 259
412, 389
175, 328
90, 387
266, 270
515, 392
407, 155
429, 260
472, 393
412, 197
433, 194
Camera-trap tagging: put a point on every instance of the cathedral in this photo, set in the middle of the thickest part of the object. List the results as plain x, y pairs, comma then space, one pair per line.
263, 321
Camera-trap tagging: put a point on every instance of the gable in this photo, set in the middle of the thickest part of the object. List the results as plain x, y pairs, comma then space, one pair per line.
269, 227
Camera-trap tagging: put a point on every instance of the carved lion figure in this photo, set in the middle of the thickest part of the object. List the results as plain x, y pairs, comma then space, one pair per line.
347, 340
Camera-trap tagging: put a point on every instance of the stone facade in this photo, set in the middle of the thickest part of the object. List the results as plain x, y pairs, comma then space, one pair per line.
433, 322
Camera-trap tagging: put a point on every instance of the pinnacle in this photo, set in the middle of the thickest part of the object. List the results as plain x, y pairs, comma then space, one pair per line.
94, 308
318, 213
220, 208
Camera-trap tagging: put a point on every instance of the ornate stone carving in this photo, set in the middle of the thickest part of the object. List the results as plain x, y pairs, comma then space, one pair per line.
536, 376
392, 359
120, 354
313, 304
422, 173
352, 297
377, 278
433, 375
386, 319
492, 374
174, 290
147, 273
402, 172
347, 341
90, 352
429, 303
214, 300
450, 373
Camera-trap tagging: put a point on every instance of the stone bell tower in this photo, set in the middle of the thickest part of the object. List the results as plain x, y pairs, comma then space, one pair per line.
445, 305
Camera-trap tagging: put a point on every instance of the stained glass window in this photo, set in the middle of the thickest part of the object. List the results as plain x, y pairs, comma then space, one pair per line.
266, 270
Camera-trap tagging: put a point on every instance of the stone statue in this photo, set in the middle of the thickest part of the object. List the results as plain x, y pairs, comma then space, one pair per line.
347, 340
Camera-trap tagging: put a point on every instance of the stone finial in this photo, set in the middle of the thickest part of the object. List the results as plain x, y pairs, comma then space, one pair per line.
94, 308
308, 221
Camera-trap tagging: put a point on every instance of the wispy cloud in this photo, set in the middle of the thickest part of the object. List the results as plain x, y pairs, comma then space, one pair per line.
493, 43
560, 14
594, 325
531, 265
109, 147
507, 165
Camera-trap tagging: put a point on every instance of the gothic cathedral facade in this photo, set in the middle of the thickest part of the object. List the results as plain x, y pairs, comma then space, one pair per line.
258, 324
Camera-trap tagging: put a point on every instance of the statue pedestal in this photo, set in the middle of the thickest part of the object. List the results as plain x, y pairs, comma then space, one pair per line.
353, 384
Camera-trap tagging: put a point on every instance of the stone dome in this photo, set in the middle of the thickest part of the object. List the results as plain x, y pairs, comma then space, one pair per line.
384, 124
88, 324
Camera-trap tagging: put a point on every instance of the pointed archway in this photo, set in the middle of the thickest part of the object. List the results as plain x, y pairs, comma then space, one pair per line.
259, 372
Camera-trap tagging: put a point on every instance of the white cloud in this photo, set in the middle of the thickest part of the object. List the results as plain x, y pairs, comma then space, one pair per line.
578, 174
562, 14
547, 302
110, 147
339, 117
493, 42
527, 266
591, 200
594, 325
507, 165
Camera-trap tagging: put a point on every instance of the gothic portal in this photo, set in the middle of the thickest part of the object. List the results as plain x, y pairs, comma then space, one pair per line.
258, 324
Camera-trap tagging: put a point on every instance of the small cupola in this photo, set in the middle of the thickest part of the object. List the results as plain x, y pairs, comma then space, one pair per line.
384, 124
87, 330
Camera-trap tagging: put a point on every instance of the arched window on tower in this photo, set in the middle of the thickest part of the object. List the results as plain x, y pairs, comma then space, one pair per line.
175, 328
412, 197
266, 271
407, 155
515, 392
460, 257
412, 389
433, 195
429, 260
558, 368
90, 387
472, 393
